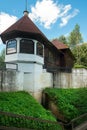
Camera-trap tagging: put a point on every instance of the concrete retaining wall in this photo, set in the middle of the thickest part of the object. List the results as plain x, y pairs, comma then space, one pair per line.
76, 79
11, 80
34, 83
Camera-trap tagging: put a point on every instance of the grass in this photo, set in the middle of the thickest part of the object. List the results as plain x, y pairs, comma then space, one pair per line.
23, 103
70, 102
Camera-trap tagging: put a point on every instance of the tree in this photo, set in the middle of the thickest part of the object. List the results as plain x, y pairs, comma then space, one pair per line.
2, 58
63, 39
82, 51
75, 36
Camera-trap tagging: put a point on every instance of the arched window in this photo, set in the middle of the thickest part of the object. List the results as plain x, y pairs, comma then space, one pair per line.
26, 46
39, 49
11, 46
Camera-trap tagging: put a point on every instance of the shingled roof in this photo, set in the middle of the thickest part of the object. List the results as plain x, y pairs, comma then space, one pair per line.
24, 27
59, 45
62, 47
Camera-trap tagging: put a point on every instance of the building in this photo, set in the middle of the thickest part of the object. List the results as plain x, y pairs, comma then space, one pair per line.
33, 55
67, 59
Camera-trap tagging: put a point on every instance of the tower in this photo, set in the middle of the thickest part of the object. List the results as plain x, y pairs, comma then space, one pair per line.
25, 51
24, 45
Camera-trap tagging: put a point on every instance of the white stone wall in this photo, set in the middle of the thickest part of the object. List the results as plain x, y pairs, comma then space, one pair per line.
11, 80
36, 81
79, 77
76, 79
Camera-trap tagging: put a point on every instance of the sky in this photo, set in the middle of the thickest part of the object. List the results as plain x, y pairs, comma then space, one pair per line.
53, 17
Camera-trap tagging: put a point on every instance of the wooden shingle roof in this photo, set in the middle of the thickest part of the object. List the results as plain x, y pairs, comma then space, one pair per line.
59, 45
24, 27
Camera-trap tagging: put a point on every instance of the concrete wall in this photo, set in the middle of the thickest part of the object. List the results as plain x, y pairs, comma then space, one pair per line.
76, 79
32, 82
36, 82
11, 80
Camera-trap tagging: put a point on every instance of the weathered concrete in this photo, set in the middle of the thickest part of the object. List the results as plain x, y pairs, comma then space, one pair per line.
11, 80
35, 82
76, 79
32, 82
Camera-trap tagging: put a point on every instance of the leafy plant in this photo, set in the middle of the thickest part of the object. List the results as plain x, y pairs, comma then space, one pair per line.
2, 58
70, 102
24, 104
80, 53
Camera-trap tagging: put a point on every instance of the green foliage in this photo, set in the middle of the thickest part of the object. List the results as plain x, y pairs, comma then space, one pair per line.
2, 55
80, 53
31, 124
75, 36
70, 102
79, 66
63, 39
23, 103
2, 58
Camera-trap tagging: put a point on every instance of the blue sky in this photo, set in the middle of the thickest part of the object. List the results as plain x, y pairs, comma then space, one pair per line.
53, 17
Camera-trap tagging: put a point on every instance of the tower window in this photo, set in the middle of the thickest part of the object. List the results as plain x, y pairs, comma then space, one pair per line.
39, 49
26, 46
11, 46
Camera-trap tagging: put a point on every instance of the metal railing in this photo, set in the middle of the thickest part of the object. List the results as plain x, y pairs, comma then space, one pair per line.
79, 121
25, 122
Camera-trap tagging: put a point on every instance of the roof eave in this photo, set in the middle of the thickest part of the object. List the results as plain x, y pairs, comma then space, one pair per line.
15, 33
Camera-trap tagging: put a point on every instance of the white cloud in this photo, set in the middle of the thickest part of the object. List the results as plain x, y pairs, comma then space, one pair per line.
65, 19
6, 20
64, 10
47, 12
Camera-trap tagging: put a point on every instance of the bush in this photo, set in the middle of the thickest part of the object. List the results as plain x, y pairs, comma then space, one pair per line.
80, 53
70, 102
24, 104
79, 66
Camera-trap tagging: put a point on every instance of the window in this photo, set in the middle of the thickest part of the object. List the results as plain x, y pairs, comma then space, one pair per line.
11, 46
39, 49
51, 56
26, 46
